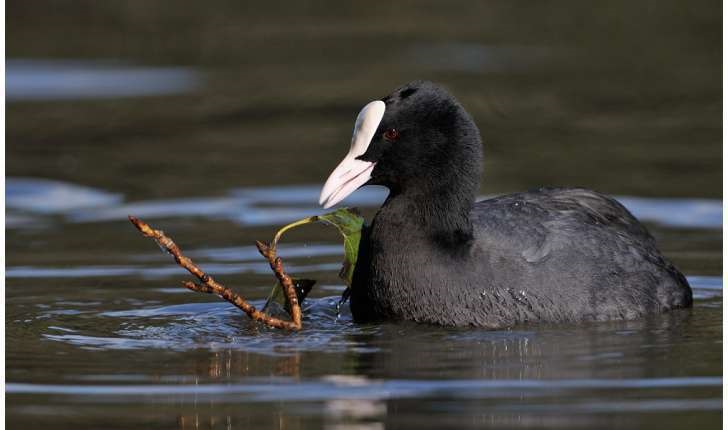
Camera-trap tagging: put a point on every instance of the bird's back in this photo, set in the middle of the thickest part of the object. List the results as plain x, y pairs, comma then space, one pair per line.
572, 254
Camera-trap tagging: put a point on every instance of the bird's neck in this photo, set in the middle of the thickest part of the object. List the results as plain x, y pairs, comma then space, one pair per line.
439, 213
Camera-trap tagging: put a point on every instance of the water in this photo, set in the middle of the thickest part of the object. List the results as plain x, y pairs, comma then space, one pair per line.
58, 80
220, 124
91, 336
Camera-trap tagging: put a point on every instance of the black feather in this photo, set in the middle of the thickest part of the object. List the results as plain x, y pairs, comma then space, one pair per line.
432, 254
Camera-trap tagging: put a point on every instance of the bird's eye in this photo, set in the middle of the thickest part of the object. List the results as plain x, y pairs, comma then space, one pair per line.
391, 135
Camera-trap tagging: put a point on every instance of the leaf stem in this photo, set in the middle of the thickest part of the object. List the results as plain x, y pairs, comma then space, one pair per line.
283, 229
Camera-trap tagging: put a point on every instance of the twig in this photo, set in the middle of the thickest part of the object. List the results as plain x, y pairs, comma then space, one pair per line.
276, 264
209, 285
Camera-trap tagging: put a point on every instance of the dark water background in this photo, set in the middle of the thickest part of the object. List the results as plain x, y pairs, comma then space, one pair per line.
219, 121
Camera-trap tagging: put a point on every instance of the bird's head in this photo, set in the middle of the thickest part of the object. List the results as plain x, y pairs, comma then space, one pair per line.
418, 137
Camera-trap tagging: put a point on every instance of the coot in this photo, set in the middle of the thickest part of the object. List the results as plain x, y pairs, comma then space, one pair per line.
432, 254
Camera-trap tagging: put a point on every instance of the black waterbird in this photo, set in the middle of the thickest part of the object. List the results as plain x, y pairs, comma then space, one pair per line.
432, 254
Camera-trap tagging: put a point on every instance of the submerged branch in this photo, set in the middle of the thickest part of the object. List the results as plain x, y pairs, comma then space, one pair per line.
209, 285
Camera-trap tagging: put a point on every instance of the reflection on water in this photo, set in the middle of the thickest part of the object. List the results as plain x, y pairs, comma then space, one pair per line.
152, 272
54, 197
215, 325
40, 80
334, 371
692, 213
278, 205
218, 124
193, 356
335, 388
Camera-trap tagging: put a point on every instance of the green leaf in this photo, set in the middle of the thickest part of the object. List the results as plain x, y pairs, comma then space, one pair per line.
278, 296
349, 223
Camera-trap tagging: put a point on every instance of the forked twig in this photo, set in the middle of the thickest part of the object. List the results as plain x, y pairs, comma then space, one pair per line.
209, 285
276, 265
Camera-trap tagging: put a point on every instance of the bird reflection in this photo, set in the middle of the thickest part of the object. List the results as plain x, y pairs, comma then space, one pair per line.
410, 355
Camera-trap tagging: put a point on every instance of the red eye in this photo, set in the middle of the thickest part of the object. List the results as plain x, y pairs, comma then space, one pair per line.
391, 135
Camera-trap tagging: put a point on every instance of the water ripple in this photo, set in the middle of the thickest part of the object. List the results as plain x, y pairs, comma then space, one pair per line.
274, 205
156, 272
347, 387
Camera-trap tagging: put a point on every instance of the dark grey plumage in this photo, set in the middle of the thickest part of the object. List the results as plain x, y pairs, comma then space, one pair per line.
433, 255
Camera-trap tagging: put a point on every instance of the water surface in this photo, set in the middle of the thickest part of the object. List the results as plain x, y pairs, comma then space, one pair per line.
93, 335
219, 123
